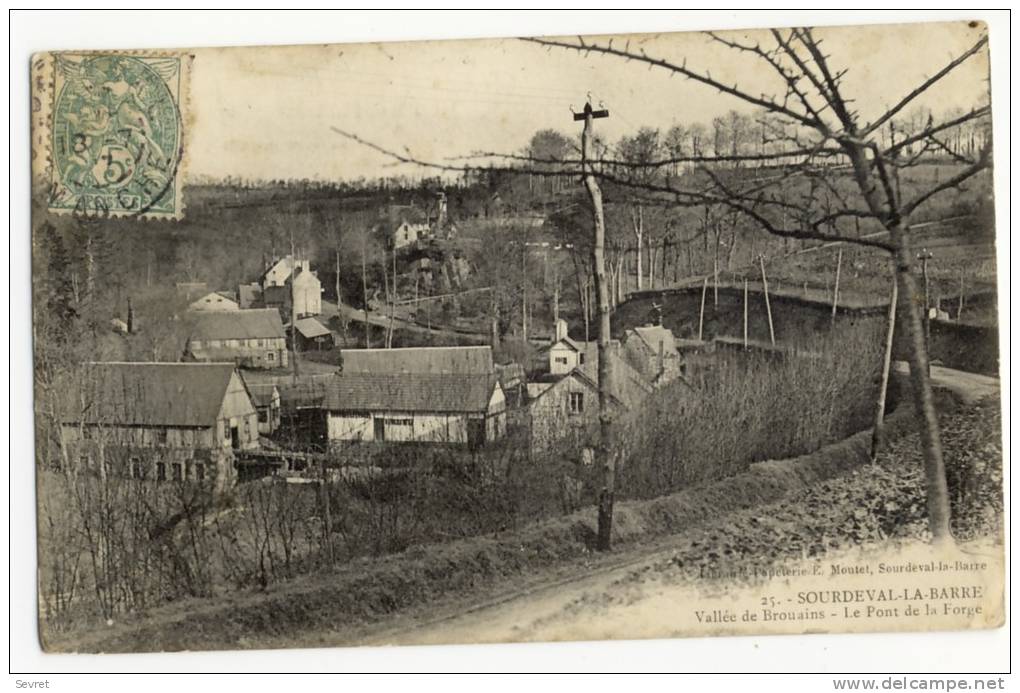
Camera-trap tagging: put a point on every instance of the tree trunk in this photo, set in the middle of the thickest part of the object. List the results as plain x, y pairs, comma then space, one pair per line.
908, 304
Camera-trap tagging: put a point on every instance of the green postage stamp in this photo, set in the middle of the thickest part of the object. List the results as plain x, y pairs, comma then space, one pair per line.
112, 140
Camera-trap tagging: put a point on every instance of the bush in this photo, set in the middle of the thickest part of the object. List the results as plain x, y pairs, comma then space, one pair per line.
752, 406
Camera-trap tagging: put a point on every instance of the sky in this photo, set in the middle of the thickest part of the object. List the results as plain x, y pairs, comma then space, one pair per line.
269, 112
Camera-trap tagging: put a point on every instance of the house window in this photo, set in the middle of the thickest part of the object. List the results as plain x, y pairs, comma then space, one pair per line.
160, 436
200, 471
263, 415
581, 359
270, 356
177, 469
226, 429
399, 422
561, 360
137, 471
161, 471
247, 429
576, 402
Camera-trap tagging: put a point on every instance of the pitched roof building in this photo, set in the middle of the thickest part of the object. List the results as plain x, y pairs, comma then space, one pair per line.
165, 417
469, 360
252, 338
417, 394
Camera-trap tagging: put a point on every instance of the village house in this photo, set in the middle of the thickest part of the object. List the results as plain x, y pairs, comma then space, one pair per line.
563, 403
563, 409
159, 421
288, 284
214, 301
417, 394
266, 398
652, 350
250, 338
404, 225
565, 354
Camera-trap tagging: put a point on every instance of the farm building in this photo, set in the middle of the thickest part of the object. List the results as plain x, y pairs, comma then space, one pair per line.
312, 335
417, 394
459, 409
467, 360
161, 421
250, 338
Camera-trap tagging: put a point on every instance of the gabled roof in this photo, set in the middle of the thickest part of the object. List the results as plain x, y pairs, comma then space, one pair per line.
567, 341
147, 394
652, 335
254, 323
470, 360
310, 328
410, 392
214, 300
262, 394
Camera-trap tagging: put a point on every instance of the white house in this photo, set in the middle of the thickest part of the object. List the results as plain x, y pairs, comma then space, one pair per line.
306, 290
279, 272
215, 301
565, 354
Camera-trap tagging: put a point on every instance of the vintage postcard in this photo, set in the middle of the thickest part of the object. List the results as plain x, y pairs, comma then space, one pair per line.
506, 340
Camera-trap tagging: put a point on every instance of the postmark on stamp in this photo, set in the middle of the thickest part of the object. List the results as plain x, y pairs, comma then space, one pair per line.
116, 135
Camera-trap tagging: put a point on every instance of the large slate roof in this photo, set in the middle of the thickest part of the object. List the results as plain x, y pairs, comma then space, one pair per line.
409, 392
255, 323
471, 360
146, 394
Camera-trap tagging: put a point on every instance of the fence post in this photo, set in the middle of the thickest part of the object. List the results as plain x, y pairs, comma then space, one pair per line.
745, 314
768, 307
835, 289
701, 314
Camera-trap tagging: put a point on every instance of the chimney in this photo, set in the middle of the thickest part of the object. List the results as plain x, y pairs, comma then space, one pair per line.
560, 331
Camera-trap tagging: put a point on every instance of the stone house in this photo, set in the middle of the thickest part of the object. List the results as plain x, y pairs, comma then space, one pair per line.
252, 338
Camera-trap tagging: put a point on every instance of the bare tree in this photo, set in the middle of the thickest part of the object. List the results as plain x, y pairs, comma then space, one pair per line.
828, 145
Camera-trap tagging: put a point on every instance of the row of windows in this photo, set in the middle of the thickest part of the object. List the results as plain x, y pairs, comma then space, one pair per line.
213, 343
191, 470
179, 471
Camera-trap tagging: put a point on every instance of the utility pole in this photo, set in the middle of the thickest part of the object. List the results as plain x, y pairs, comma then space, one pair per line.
835, 286
605, 452
293, 305
883, 388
